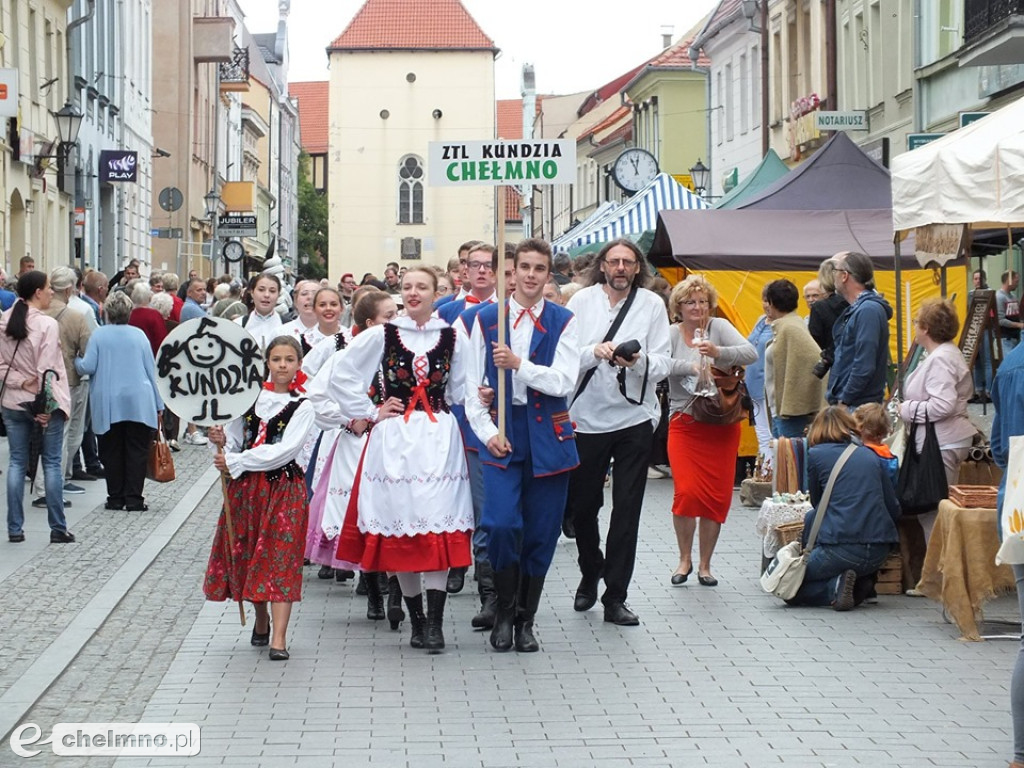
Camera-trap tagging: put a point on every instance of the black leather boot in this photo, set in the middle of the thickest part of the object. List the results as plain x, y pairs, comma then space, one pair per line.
395, 613
530, 589
436, 599
506, 583
374, 599
488, 597
417, 621
456, 580
361, 584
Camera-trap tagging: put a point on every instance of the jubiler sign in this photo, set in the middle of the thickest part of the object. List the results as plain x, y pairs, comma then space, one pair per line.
496, 163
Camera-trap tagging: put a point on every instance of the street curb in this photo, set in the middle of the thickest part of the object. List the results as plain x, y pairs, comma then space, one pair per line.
58, 656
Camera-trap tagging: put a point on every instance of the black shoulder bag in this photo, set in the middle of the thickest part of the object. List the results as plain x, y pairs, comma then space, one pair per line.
608, 337
921, 483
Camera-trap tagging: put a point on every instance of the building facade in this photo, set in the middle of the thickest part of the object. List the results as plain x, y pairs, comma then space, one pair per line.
36, 218
400, 80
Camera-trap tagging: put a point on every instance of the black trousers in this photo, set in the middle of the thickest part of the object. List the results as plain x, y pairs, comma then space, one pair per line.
124, 451
630, 448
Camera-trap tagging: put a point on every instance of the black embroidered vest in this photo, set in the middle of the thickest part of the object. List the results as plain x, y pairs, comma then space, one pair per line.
275, 432
399, 378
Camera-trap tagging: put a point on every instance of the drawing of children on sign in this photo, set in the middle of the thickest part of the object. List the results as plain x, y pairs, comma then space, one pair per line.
209, 371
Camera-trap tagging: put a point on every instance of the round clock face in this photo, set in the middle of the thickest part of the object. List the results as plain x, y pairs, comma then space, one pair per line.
634, 169
233, 250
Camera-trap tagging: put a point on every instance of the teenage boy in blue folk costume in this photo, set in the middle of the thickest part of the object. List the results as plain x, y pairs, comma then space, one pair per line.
526, 473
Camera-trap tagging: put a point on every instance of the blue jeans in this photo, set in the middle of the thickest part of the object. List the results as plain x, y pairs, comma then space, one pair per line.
19, 430
828, 561
790, 426
1017, 680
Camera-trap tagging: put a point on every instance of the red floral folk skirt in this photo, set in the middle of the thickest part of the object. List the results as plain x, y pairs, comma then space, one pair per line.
269, 524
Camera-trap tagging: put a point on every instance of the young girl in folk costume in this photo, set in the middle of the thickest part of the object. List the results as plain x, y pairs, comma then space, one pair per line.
340, 449
263, 322
410, 510
267, 497
327, 306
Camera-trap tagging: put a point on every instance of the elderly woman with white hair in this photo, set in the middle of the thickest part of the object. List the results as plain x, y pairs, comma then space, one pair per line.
124, 400
144, 317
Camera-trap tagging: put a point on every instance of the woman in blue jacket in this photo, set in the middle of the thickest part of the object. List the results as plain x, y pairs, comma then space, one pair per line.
859, 528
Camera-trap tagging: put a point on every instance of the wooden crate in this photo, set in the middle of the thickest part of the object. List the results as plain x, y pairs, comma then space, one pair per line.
890, 581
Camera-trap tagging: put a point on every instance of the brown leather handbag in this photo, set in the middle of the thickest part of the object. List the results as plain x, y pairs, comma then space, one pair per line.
160, 465
728, 404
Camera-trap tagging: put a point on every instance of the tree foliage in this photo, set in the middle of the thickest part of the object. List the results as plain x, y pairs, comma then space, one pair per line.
313, 223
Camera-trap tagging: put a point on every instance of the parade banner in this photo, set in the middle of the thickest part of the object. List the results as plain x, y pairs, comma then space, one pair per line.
209, 371
500, 163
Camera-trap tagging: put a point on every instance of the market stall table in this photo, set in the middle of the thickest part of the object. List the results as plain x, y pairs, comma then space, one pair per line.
959, 568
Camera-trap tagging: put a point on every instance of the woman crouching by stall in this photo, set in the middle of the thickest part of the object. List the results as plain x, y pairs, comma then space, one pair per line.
267, 498
859, 526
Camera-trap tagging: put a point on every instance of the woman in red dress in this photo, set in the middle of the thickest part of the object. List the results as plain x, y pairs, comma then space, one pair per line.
267, 494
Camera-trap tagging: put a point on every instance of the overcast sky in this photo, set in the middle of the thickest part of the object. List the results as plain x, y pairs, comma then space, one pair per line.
573, 46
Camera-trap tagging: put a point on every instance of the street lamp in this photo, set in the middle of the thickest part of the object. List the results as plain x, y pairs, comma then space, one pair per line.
69, 123
212, 200
699, 173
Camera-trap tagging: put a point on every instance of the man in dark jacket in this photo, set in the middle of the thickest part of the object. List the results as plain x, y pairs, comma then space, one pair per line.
861, 335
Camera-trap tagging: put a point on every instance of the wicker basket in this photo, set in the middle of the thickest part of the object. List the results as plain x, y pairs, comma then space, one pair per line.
789, 532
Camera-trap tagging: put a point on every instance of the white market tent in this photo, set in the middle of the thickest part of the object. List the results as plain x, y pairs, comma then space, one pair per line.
974, 175
637, 215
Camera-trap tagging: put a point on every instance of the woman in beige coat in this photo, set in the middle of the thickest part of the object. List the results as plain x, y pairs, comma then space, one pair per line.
792, 392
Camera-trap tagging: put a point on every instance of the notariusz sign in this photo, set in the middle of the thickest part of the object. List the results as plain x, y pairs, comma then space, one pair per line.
842, 121
497, 163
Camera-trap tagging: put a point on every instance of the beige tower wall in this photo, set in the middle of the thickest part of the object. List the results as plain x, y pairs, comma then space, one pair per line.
366, 151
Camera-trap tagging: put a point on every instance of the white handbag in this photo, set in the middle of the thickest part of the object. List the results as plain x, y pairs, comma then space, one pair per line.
785, 573
1011, 515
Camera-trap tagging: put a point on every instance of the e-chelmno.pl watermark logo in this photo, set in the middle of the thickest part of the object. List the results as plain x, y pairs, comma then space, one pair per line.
139, 739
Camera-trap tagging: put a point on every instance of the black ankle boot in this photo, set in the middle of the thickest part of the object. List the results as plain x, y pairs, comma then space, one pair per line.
530, 589
417, 621
436, 599
374, 600
488, 597
506, 583
456, 580
361, 584
395, 613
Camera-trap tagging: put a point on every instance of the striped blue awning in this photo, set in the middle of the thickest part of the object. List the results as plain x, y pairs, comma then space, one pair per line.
635, 216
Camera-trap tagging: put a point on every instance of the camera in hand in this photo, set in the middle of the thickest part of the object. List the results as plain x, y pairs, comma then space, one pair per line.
823, 366
626, 350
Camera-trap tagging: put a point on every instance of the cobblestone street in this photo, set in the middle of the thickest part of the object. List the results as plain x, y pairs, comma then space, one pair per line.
115, 628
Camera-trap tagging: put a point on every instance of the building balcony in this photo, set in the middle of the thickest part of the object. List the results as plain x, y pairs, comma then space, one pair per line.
993, 33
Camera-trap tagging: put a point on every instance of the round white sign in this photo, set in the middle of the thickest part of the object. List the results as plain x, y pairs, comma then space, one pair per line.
209, 371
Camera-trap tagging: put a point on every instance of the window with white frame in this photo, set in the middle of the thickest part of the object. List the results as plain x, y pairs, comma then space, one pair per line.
410, 190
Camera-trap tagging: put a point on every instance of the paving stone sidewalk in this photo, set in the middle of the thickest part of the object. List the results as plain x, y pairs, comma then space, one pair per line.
720, 676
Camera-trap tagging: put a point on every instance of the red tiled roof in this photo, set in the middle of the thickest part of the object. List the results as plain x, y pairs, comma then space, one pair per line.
623, 132
313, 119
513, 202
620, 113
510, 117
410, 25
678, 55
607, 90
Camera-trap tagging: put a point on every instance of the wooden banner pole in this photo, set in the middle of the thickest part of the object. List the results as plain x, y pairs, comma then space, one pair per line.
230, 530
502, 307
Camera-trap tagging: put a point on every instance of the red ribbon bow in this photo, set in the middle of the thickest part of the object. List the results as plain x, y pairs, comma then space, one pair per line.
471, 299
534, 318
419, 395
294, 386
